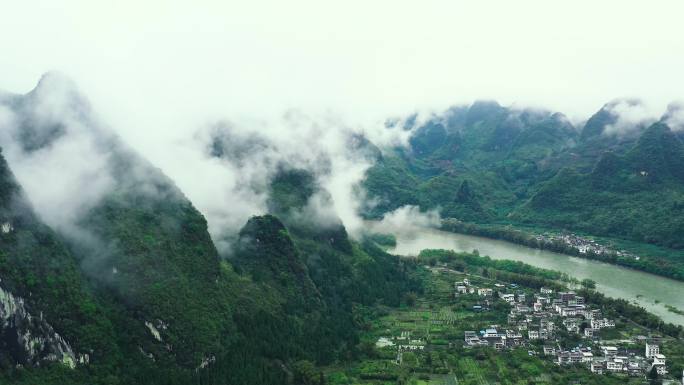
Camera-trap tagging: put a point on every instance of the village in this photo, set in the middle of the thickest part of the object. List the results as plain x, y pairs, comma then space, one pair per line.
558, 327
582, 245
541, 317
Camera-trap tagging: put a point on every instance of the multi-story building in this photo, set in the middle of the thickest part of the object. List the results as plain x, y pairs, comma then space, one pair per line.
565, 297
652, 350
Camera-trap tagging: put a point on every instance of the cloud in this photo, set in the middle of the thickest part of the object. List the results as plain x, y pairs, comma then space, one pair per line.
243, 156
674, 116
407, 217
67, 161
58, 156
631, 117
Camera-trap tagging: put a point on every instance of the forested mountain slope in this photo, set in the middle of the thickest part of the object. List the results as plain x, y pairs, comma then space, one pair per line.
132, 279
489, 164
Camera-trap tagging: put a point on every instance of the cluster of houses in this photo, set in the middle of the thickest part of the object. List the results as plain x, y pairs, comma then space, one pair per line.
613, 360
583, 245
492, 337
570, 308
535, 317
538, 322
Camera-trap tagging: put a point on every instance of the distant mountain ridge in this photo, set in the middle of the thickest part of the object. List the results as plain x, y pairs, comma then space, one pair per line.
534, 167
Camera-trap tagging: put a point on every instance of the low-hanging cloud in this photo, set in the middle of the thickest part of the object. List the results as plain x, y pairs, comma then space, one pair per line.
58, 156
407, 217
631, 116
674, 116
242, 157
67, 161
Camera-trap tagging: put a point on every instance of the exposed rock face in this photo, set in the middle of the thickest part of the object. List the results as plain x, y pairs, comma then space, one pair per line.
26, 339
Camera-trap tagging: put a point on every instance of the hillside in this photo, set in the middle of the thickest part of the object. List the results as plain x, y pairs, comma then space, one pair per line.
534, 168
129, 287
43, 289
639, 195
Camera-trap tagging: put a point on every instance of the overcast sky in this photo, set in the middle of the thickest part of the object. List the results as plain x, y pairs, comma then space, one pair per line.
167, 61
157, 72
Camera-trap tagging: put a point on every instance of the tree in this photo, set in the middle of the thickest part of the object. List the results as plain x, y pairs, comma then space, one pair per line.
588, 283
653, 376
305, 373
410, 298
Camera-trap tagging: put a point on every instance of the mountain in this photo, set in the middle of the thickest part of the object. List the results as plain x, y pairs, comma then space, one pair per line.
267, 252
638, 195
46, 311
125, 285
489, 164
501, 152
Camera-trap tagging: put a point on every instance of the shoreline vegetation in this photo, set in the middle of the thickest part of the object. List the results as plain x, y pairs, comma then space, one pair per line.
421, 341
535, 277
674, 309
657, 266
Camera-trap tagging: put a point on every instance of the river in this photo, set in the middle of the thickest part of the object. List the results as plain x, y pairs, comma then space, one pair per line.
648, 290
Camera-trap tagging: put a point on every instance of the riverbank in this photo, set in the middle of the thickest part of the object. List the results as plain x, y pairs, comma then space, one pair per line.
430, 339
575, 245
647, 290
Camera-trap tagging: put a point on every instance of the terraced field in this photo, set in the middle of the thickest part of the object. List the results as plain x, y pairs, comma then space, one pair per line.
436, 322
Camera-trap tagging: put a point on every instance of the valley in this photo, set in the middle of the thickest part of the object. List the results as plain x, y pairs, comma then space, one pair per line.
275, 278
422, 342
341, 193
498, 171
648, 290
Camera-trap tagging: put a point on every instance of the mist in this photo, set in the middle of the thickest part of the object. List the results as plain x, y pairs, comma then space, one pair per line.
409, 217
68, 160
296, 83
631, 115
58, 154
226, 167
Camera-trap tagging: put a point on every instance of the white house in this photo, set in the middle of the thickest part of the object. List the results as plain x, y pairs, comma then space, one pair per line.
609, 351
652, 350
7, 227
659, 364
615, 365
485, 292
384, 341
510, 298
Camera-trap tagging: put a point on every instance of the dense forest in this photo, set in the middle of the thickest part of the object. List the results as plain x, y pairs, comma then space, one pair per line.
134, 291
283, 298
488, 165
132, 288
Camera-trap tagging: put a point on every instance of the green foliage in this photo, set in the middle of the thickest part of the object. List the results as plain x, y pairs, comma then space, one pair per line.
149, 258
489, 165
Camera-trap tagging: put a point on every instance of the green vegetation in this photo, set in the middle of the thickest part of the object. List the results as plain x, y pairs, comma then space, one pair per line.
674, 309
290, 296
653, 259
438, 321
383, 240
491, 170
